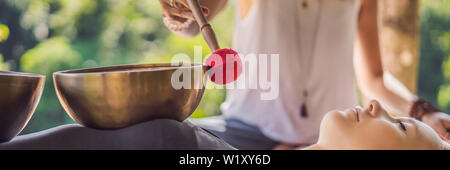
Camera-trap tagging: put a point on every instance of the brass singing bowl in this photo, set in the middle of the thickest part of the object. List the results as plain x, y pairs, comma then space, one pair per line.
19, 96
120, 96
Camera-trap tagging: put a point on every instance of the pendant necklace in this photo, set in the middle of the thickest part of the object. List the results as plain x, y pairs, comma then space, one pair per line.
303, 108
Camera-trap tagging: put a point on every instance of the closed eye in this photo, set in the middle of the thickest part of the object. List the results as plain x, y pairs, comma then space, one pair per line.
402, 125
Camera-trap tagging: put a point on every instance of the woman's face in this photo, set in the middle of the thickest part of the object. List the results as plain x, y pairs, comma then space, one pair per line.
374, 128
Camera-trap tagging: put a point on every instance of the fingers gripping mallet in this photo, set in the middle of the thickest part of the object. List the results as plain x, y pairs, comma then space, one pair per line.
222, 61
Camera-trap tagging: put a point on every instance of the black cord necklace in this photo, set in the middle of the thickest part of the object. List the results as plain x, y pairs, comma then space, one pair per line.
303, 108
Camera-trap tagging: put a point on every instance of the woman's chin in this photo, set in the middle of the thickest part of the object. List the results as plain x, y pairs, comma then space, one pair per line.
335, 118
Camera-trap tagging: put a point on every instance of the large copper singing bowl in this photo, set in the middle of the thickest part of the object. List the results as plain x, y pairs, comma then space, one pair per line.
120, 96
19, 97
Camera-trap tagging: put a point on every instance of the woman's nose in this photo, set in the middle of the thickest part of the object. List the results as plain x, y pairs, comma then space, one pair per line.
373, 108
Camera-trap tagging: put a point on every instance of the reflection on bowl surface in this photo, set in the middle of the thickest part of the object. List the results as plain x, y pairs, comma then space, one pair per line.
20, 94
120, 96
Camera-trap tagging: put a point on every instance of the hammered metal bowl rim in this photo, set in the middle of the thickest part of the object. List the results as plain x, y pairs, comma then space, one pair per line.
20, 74
125, 68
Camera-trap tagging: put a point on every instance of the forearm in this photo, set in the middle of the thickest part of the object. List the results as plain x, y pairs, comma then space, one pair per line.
376, 83
394, 96
373, 81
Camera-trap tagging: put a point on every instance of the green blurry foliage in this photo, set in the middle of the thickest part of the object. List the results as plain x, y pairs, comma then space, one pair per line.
3, 66
4, 32
50, 55
434, 67
444, 89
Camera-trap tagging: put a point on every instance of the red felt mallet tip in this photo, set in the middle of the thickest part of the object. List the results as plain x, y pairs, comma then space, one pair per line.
226, 66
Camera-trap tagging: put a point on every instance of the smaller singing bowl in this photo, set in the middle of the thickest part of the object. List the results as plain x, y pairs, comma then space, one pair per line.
19, 96
120, 96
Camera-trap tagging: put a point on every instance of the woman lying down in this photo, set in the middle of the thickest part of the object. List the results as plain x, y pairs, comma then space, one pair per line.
373, 128
356, 128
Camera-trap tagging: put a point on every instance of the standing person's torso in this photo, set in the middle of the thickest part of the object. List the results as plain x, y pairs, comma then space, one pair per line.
314, 40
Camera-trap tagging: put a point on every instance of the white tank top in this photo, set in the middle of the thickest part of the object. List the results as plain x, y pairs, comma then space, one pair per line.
315, 47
